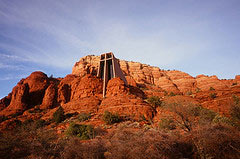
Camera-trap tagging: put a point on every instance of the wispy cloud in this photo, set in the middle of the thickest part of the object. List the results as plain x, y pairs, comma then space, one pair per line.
12, 67
12, 77
12, 57
158, 32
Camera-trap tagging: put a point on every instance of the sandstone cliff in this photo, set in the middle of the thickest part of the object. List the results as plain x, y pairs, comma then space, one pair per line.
170, 81
38, 96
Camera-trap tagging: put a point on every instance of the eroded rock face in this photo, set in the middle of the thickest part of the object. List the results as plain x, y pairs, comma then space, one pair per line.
82, 91
127, 105
83, 105
87, 65
5, 101
20, 97
205, 83
171, 81
50, 99
116, 87
38, 83
64, 89
126, 101
28, 93
86, 86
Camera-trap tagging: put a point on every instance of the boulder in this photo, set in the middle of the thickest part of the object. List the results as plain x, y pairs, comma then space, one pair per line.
50, 97
86, 86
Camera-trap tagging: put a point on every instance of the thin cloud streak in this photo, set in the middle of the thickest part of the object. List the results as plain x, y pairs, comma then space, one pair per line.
158, 37
12, 77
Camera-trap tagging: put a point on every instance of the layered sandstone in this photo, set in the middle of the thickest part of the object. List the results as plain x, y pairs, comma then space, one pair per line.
81, 91
126, 101
27, 93
170, 81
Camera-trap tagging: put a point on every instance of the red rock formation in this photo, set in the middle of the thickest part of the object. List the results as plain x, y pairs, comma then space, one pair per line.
116, 87
87, 65
170, 81
205, 83
50, 99
87, 105
184, 82
121, 100
82, 91
28, 93
5, 101
38, 83
64, 89
20, 97
85, 87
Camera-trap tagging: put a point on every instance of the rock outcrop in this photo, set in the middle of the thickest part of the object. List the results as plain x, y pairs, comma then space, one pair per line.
81, 91
124, 101
170, 81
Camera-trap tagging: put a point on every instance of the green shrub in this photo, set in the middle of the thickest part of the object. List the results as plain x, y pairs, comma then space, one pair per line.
165, 93
84, 116
235, 112
84, 132
142, 117
235, 99
211, 89
213, 95
3, 118
16, 114
110, 118
40, 123
198, 90
222, 119
58, 115
207, 115
172, 94
189, 93
166, 123
154, 101
217, 141
35, 110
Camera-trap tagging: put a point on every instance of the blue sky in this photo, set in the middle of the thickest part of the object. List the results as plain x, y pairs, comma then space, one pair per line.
194, 36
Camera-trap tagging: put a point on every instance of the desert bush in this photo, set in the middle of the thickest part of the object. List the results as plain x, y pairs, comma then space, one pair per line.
58, 115
146, 144
186, 113
167, 123
110, 118
154, 101
216, 141
189, 115
235, 111
172, 94
235, 99
40, 123
165, 93
84, 116
84, 132
198, 90
75, 149
206, 115
219, 119
211, 89
25, 141
3, 118
16, 114
29, 123
213, 95
35, 110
